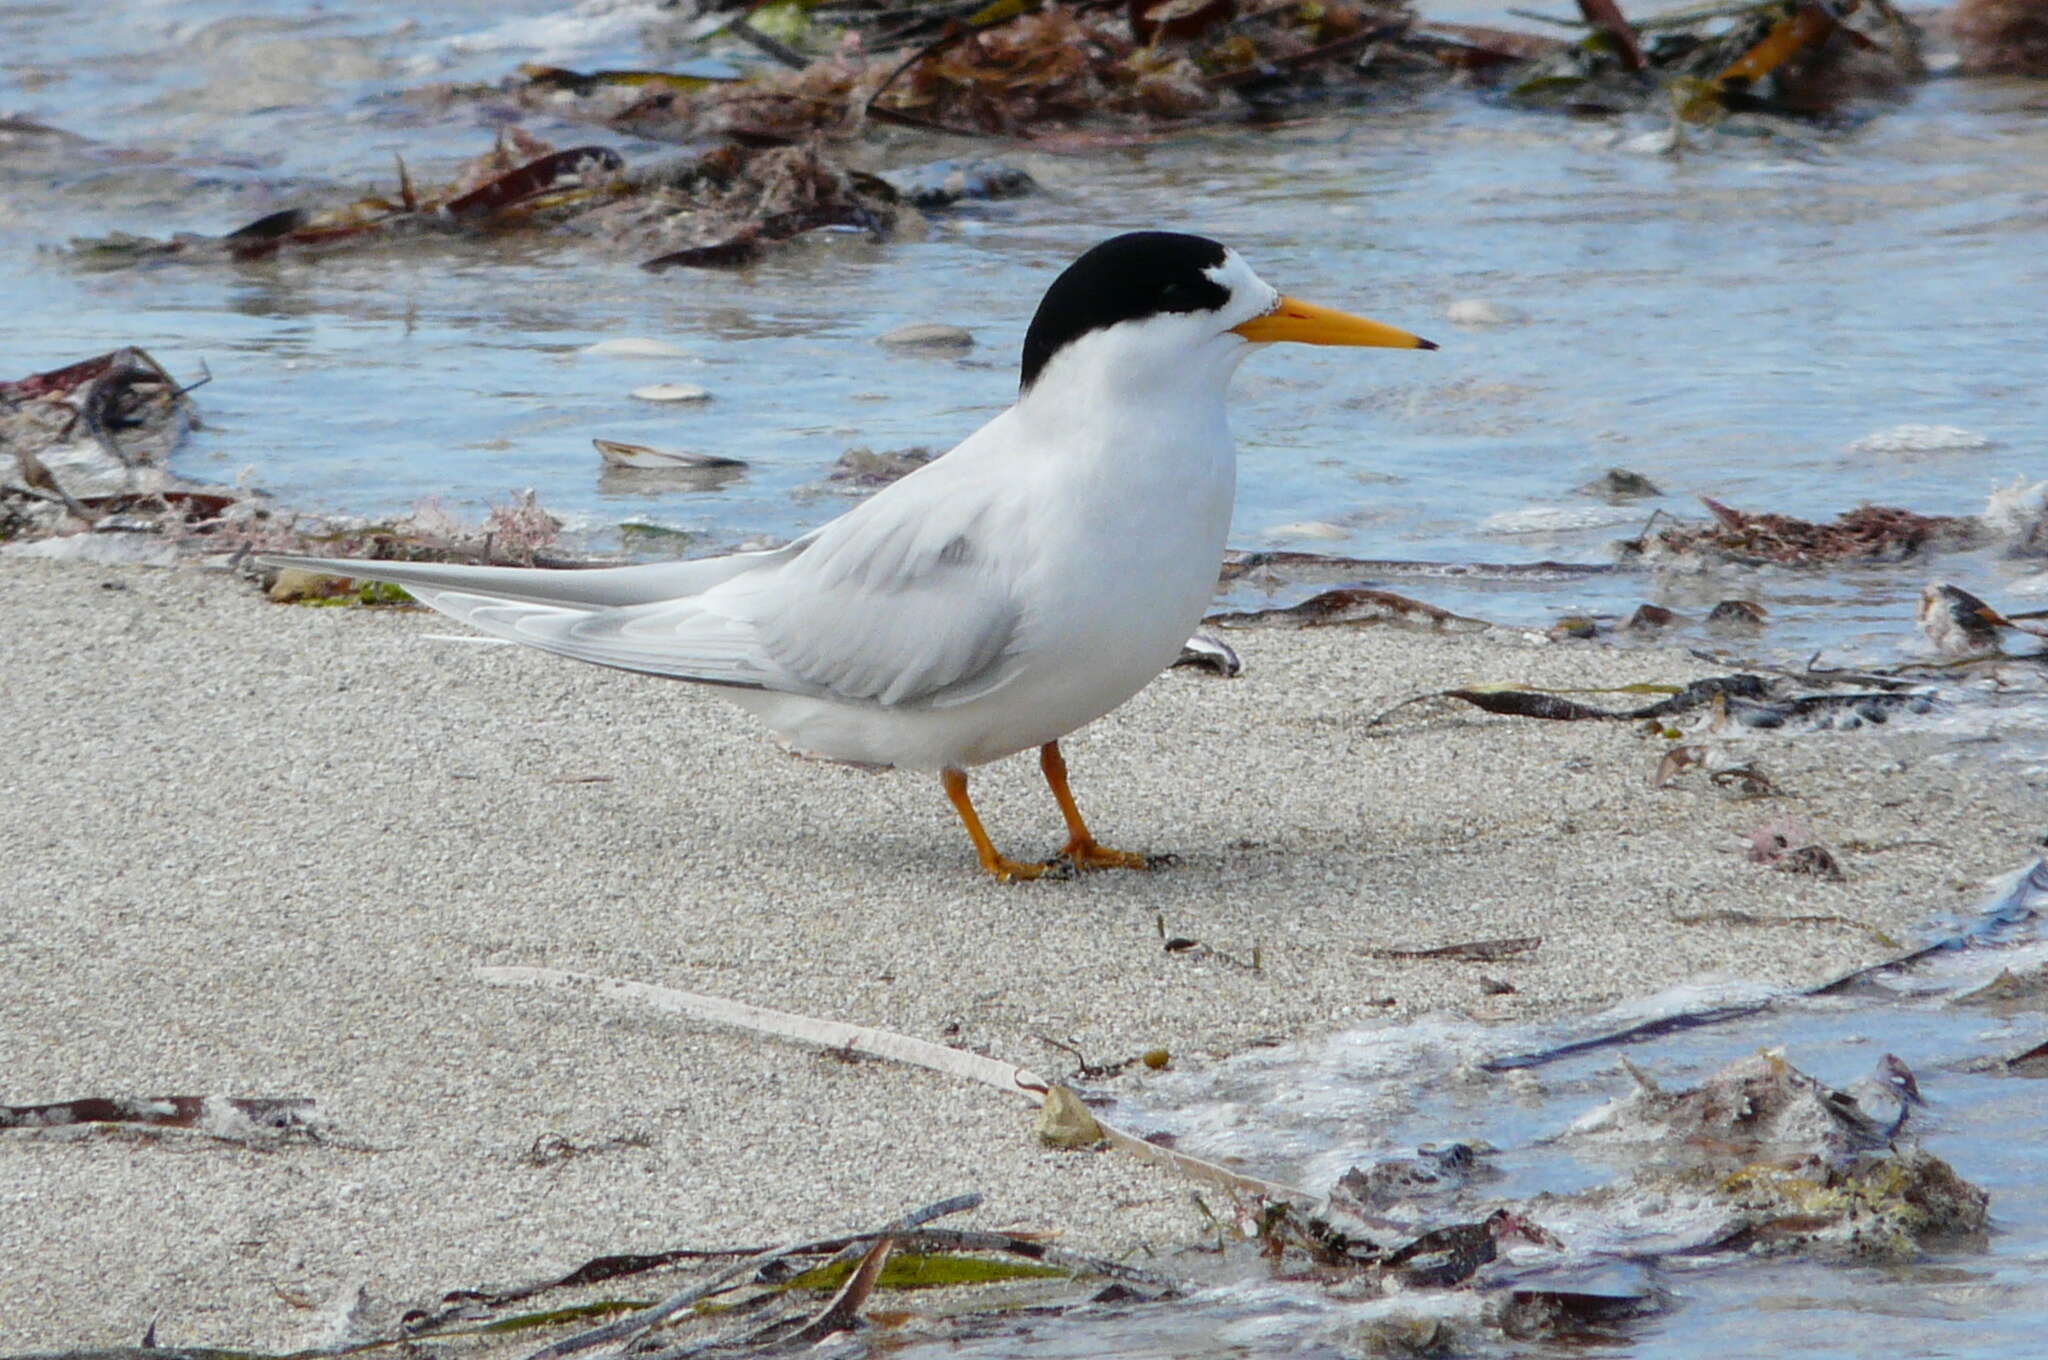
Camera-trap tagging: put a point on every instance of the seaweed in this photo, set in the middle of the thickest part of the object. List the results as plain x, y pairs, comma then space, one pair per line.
730, 204
1868, 533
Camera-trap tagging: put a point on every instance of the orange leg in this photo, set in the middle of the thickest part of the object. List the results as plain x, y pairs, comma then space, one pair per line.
1005, 870
1081, 849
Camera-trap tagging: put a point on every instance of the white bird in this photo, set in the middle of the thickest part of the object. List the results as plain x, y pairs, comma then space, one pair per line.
994, 600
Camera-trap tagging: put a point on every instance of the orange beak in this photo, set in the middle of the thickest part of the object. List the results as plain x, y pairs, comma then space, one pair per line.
1304, 323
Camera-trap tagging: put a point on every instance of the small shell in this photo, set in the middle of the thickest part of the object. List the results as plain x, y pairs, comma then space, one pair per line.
645, 456
635, 349
927, 335
1479, 312
672, 392
1922, 439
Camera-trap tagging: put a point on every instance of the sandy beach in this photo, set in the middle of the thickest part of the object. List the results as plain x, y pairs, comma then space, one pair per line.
260, 850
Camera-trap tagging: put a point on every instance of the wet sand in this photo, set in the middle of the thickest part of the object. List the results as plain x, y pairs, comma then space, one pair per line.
258, 850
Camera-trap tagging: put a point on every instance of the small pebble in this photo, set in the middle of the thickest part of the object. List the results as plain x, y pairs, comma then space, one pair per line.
1574, 626
1737, 614
941, 184
1064, 1122
635, 349
296, 583
864, 468
927, 335
1649, 617
672, 392
1619, 484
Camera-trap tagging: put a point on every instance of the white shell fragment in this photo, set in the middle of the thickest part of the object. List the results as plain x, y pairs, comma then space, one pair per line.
1306, 528
1480, 312
635, 349
646, 457
1921, 439
1204, 653
928, 335
672, 392
2014, 511
1557, 519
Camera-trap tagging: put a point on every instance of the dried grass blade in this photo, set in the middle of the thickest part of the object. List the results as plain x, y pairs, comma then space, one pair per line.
885, 1044
826, 1033
534, 179
843, 1312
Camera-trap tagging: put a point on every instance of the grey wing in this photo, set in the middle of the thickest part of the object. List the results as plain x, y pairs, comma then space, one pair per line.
896, 612
655, 619
908, 599
900, 603
579, 590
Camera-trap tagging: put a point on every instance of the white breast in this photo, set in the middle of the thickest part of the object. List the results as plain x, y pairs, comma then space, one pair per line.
1112, 527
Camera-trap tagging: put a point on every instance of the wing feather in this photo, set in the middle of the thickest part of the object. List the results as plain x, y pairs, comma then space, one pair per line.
575, 588
910, 605
909, 599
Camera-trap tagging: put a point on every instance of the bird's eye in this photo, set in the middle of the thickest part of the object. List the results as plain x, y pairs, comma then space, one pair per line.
1177, 297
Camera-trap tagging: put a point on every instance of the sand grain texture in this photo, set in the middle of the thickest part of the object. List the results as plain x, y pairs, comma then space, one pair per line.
259, 850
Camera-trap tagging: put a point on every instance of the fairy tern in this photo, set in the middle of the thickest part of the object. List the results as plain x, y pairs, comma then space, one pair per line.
994, 600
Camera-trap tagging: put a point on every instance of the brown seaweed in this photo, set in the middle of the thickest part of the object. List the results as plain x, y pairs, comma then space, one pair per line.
1869, 533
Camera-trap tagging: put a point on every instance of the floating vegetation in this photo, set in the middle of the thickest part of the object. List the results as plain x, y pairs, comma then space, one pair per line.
1790, 57
1072, 73
1353, 605
943, 184
519, 182
2002, 37
1013, 68
1761, 1157
1076, 75
735, 202
1869, 533
728, 205
865, 469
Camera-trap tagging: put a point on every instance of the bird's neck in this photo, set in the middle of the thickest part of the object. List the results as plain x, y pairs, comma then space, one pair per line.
1111, 420
1084, 407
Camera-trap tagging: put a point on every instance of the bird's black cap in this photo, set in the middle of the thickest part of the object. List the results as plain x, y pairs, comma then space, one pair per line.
1126, 278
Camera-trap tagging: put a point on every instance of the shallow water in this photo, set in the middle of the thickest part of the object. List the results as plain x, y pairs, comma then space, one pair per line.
1305, 1111
1729, 321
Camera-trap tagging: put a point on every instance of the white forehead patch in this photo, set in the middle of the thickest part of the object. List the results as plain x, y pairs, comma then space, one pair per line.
1249, 293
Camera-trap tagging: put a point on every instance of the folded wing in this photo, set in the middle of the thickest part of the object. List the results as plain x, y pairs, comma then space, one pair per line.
906, 600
